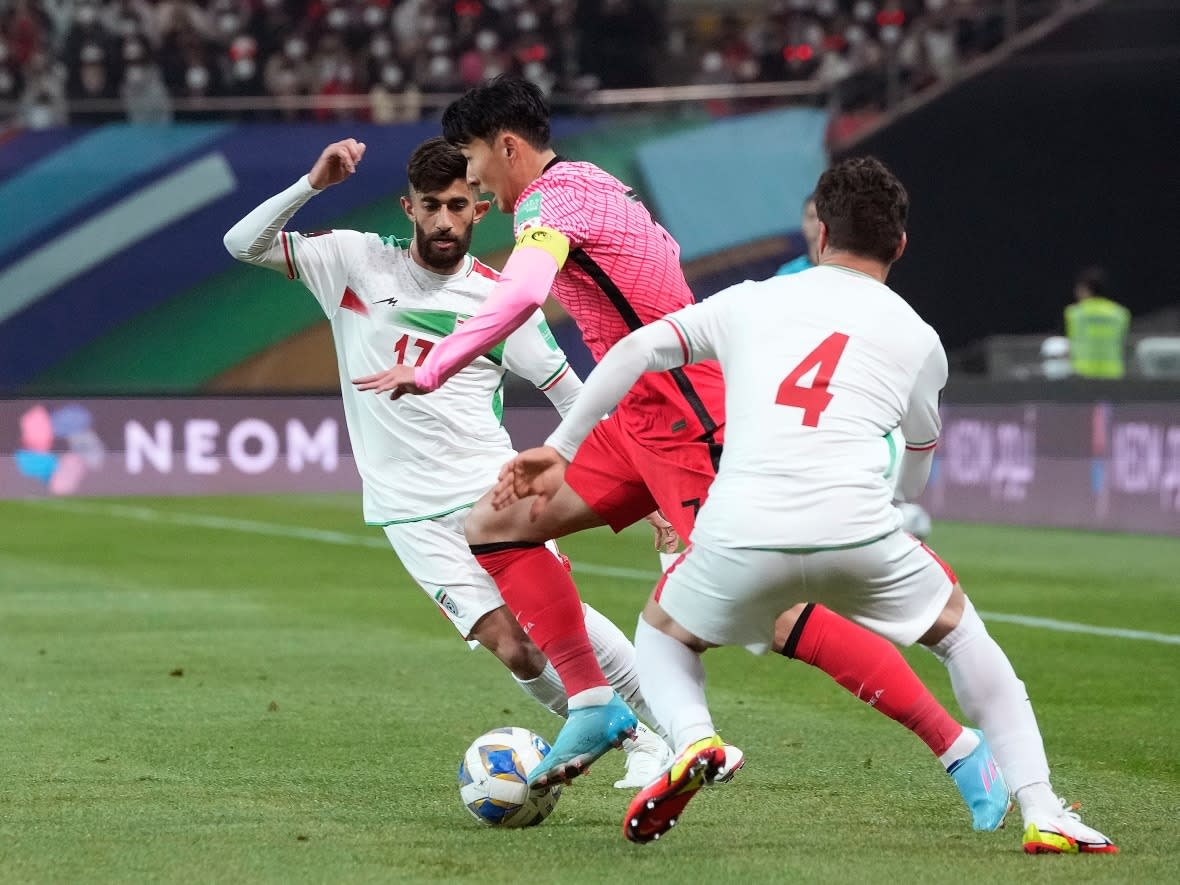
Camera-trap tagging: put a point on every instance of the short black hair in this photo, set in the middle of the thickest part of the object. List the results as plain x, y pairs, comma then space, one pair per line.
1093, 279
864, 208
507, 103
434, 166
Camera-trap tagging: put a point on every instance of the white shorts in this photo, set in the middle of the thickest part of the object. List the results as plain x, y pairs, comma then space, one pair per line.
896, 587
436, 554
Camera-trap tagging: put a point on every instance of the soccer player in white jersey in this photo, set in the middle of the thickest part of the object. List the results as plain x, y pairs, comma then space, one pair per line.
818, 367
424, 461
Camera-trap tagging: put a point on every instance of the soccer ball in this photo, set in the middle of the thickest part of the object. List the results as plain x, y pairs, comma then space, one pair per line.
493, 779
915, 520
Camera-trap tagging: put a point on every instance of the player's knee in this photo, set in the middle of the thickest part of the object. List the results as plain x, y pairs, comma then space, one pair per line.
486, 525
948, 620
785, 625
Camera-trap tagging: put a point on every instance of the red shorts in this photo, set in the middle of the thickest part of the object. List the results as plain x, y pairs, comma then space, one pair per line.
623, 475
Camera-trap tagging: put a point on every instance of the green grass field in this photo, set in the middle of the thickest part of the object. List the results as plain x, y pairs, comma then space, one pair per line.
251, 690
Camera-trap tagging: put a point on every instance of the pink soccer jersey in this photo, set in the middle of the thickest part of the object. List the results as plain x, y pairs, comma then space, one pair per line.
623, 270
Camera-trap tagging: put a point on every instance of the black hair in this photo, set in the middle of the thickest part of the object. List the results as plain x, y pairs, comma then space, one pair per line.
507, 103
1093, 279
864, 208
434, 166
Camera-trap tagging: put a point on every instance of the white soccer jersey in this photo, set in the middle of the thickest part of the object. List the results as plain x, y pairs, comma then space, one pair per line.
419, 456
819, 368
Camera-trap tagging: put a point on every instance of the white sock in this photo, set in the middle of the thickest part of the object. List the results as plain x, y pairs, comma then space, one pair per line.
964, 745
546, 690
1038, 799
591, 697
616, 656
988, 690
673, 680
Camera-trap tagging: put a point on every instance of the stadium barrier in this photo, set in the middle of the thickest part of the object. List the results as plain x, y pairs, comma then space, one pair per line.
1094, 465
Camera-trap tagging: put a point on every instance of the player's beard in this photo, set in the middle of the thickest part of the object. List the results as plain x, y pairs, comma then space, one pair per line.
440, 260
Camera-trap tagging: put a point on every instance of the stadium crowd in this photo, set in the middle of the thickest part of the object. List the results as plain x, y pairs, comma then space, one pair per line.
85, 61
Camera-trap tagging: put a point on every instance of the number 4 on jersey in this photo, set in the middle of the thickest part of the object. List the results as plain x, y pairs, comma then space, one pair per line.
814, 398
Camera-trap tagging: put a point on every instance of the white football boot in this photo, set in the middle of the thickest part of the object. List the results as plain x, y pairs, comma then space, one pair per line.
647, 758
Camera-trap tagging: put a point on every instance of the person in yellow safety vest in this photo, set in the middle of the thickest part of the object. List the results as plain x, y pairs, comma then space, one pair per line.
1096, 328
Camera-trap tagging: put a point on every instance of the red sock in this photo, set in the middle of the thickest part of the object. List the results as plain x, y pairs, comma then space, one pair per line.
872, 669
540, 594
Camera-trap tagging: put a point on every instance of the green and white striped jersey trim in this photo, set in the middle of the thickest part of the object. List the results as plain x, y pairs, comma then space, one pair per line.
407, 519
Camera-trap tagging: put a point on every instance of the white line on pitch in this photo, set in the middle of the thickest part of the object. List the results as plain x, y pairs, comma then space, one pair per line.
346, 539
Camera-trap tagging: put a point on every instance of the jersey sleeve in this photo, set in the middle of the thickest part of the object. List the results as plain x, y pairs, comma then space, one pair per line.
653, 348
554, 206
701, 328
532, 353
320, 261
921, 423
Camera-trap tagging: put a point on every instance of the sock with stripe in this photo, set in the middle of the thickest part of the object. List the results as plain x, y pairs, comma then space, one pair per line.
872, 668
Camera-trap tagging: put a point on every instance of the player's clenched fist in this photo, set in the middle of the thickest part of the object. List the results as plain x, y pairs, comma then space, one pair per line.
336, 163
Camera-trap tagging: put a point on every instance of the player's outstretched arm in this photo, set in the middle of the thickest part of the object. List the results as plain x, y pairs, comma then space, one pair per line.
532, 353
538, 472
255, 239
523, 286
652, 348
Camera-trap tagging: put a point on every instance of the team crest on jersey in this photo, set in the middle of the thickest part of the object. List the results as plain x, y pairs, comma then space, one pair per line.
446, 602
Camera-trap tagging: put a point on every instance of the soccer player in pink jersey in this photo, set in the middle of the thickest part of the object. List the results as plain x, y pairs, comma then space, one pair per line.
585, 236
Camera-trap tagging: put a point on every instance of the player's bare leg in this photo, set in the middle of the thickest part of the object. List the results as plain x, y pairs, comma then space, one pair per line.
543, 598
871, 668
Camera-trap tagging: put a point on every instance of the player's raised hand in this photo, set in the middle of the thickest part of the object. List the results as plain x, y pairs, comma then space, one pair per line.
538, 472
399, 379
336, 163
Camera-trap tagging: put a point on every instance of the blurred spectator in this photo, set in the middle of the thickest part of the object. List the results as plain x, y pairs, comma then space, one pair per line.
189, 61
288, 75
145, 97
27, 31
12, 79
43, 103
334, 73
93, 78
1096, 327
868, 52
